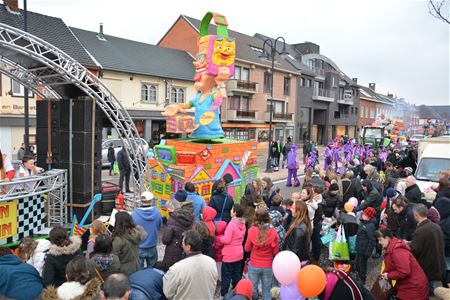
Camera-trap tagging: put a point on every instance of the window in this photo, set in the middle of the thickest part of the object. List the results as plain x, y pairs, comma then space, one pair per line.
177, 95
245, 74
341, 93
366, 114
333, 82
148, 93
302, 81
308, 83
239, 103
356, 111
372, 113
351, 110
362, 111
287, 86
278, 107
267, 82
18, 89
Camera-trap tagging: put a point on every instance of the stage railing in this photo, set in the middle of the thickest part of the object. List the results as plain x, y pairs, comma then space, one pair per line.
52, 184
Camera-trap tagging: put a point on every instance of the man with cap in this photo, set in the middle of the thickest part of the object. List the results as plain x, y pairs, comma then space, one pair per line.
149, 217
365, 241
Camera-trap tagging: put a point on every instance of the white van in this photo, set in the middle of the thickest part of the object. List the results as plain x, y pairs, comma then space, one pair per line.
434, 157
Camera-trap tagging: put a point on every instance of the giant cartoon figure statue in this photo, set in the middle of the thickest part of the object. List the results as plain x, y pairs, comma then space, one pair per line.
214, 65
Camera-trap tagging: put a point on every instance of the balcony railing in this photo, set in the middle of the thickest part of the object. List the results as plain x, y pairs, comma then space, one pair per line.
346, 101
323, 95
279, 116
242, 115
242, 86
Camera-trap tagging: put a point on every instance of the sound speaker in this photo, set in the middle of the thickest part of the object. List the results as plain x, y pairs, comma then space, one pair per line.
42, 116
42, 140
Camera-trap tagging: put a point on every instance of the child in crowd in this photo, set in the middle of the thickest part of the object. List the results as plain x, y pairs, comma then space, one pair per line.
232, 251
208, 215
33, 252
276, 213
365, 241
207, 239
97, 228
286, 204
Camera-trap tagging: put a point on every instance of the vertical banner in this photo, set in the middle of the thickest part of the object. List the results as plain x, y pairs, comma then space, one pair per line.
8, 219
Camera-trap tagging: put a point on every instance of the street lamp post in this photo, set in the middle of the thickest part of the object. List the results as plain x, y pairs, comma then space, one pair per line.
271, 55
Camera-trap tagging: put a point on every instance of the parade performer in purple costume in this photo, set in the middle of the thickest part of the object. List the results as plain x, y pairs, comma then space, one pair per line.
327, 159
348, 157
311, 160
382, 155
336, 156
293, 164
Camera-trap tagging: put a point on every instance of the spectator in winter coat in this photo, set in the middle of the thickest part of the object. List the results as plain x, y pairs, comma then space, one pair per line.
405, 216
249, 201
276, 214
293, 164
348, 187
268, 190
262, 243
412, 192
105, 261
392, 219
124, 169
232, 250
81, 282
33, 252
402, 266
208, 240
443, 206
194, 277
147, 284
221, 201
298, 237
196, 199
218, 246
391, 175
180, 220
18, 280
62, 250
126, 239
372, 197
317, 222
208, 215
285, 151
331, 200
111, 158
306, 196
443, 189
365, 241
276, 151
349, 222
148, 217
427, 245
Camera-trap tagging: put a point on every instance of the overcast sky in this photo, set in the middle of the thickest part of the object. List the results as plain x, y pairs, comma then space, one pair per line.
396, 44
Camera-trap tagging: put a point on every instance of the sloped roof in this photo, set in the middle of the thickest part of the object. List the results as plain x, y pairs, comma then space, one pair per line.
244, 44
119, 54
441, 112
50, 29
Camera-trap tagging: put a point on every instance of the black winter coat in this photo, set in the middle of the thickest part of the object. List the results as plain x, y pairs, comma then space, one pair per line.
443, 206
365, 238
179, 222
111, 155
427, 246
348, 189
407, 223
217, 202
329, 203
122, 160
443, 193
413, 194
372, 198
298, 241
54, 272
207, 247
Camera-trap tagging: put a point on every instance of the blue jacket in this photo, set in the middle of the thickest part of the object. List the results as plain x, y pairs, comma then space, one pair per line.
198, 203
19, 280
148, 282
150, 219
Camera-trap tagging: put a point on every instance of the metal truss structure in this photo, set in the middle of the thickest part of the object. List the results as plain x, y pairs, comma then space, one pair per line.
52, 184
50, 73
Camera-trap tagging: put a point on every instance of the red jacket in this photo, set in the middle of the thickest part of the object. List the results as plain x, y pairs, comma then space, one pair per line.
208, 215
261, 256
218, 245
402, 266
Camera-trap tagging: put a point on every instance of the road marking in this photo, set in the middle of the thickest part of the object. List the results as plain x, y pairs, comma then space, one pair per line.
284, 180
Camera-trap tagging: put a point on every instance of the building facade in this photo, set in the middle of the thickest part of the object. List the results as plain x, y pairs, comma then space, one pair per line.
245, 113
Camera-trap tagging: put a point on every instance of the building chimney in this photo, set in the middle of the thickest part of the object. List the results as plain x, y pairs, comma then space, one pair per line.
355, 80
12, 5
101, 29
390, 95
372, 86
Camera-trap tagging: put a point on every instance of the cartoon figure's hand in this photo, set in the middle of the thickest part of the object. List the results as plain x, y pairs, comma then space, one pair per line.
172, 110
222, 75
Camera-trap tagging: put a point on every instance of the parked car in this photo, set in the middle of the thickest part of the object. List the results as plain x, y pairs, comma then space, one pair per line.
417, 137
117, 146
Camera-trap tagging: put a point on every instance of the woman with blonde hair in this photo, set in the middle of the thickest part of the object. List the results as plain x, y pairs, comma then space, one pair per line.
257, 185
298, 236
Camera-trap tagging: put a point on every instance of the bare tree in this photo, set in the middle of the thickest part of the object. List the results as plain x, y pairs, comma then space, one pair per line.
440, 9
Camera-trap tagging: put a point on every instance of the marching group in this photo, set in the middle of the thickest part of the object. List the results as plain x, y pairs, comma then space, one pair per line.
225, 248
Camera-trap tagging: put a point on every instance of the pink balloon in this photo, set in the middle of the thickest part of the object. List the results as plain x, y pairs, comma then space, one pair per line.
285, 267
353, 201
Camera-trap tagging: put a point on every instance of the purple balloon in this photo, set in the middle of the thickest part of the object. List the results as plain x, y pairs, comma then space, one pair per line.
290, 292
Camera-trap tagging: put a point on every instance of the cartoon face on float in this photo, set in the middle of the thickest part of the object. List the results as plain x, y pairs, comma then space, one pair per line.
224, 51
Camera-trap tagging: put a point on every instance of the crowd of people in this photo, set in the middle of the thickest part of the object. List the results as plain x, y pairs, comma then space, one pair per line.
225, 248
